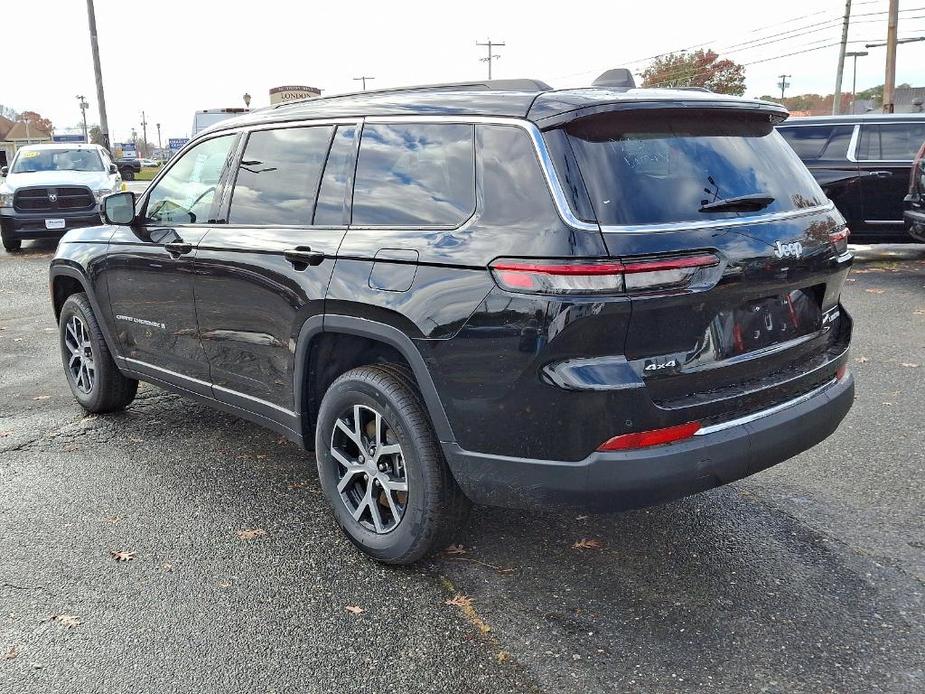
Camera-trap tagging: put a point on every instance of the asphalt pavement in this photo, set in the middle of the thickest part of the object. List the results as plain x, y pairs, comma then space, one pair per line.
808, 577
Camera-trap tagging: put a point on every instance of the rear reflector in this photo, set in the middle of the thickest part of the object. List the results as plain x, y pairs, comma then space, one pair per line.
655, 437
841, 372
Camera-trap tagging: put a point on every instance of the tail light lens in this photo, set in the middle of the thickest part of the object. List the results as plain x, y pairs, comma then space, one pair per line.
599, 277
654, 437
839, 239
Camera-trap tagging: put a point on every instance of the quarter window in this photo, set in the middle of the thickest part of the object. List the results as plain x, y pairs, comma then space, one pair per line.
184, 195
329, 209
419, 174
890, 141
278, 176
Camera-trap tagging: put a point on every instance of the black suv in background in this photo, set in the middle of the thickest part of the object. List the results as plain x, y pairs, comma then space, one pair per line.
863, 165
604, 297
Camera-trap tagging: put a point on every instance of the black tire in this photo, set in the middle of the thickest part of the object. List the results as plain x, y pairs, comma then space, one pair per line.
435, 508
128, 175
107, 390
11, 245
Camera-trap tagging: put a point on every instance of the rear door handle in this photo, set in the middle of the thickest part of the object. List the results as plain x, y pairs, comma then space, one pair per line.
303, 255
178, 248
880, 174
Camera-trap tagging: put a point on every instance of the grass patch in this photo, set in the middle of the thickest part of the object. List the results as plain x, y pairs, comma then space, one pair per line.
147, 173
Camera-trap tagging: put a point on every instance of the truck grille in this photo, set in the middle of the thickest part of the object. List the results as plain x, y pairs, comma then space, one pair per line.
51, 199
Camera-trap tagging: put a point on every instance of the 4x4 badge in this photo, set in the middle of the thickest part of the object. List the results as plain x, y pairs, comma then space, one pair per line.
788, 250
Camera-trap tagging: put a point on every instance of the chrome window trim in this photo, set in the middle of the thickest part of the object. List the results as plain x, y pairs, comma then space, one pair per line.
717, 223
729, 424
853, 143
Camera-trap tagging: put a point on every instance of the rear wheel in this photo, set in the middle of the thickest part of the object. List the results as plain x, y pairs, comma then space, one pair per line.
11, 245
94, 378
382, 469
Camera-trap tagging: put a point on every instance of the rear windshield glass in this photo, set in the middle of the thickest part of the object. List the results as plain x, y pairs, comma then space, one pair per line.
670, 166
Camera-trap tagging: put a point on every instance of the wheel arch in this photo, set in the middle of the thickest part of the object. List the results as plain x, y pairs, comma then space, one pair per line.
66, 280
392, 340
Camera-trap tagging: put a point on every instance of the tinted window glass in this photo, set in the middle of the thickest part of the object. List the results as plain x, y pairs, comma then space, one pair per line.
890, 142
807, 141
415, 175
184, 195
278, 176
337, 172
663, 167
837, 146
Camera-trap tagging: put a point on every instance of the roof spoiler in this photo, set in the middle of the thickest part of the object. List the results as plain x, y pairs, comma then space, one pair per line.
617, 78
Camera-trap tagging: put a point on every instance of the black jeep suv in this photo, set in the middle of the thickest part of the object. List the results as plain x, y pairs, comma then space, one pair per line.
604, 297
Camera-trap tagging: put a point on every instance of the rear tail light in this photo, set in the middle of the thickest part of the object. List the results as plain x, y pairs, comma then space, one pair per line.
839, 239
654, 437
599, 277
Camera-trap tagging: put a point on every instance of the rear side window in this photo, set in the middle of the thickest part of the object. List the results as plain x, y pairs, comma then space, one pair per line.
812, 142
278, 176
415, 174
337, 173
658, 168
890, 141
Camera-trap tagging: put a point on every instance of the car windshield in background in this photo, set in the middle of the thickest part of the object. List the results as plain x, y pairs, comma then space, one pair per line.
32, 160
667, 167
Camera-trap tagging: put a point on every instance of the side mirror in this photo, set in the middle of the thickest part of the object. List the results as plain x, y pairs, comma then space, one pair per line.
113, 169
4, 170
119, 208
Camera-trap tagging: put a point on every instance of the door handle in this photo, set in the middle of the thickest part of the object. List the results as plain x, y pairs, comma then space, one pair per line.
178, 248
880, 174
303, 255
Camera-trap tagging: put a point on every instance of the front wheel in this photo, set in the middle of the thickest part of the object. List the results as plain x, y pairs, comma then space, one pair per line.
11, 245
382, 469
94, 378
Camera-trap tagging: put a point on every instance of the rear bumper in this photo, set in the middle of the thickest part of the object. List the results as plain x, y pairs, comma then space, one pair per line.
31, 225
631, 479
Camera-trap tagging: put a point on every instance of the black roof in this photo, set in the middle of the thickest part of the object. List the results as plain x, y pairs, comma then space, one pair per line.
857, 118
530, 99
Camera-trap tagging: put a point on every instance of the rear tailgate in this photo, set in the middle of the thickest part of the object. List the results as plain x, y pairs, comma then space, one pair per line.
761, 323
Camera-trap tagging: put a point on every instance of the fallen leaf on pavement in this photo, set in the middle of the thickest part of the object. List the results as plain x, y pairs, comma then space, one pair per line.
167, 566
909, 365
455, 549
862, 360
875, 290
41, 397
251, 534
503, 656
112, 520
919, 312
67, 620
297, 485
354, 609
122, 555
460, 600
11, 652
588, 543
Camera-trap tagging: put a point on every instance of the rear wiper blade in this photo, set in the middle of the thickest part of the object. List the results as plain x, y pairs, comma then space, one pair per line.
740, 203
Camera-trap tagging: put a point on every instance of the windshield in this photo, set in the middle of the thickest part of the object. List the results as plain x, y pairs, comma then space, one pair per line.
32, 160
682, 166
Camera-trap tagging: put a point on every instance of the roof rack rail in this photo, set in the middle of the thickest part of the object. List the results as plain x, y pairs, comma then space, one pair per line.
524, 84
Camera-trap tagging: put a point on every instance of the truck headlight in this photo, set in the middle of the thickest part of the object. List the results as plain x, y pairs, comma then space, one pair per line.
102, 193
6, 199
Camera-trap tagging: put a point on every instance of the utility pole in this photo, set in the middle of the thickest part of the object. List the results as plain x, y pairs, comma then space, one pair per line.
363, 79
94, 46
836, 100
783, 84
889, 84
159, 145
144, 134
854, 77
83, 112
491, 56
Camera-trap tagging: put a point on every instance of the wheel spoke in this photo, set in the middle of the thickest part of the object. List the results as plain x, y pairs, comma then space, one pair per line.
348, 432
387, 449
364, 502
396, 485
352, 472
374, 512
341, 458
396, 515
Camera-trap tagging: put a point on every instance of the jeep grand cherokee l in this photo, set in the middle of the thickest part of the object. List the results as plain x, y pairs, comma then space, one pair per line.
496, 293
49, 189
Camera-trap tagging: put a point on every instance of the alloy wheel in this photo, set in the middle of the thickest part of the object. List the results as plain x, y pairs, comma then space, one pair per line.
80, 364
372, 479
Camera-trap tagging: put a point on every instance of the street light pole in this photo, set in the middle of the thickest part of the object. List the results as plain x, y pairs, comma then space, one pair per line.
144, 135
95, 48
160, 147
854, 76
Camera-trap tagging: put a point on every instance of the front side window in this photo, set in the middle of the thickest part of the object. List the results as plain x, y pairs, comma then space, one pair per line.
278, 176
185, 194
672, 167
807, 141
890, 141
35, 160
415, 174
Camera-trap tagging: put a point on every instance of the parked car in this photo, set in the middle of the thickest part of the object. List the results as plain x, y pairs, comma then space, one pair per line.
128, 168
490, 292
915, 200
863, 164
149, 162
48, 189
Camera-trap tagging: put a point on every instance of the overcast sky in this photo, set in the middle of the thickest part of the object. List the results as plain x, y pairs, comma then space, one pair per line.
172, 57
